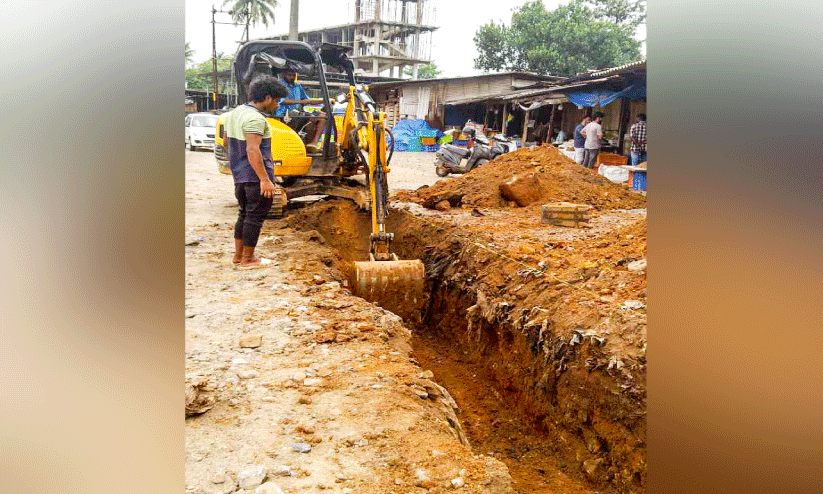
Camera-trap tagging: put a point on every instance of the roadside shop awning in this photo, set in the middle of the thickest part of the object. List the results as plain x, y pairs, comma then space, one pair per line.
601, 97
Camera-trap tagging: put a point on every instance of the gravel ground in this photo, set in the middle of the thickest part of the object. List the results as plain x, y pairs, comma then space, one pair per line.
412, 170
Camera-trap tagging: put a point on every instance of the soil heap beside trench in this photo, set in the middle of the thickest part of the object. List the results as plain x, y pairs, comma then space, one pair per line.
558, 179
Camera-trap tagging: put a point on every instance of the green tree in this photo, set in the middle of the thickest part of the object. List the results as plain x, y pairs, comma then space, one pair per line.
622, 12
570, 39
259, 11
189, 54
205, 82
427, 71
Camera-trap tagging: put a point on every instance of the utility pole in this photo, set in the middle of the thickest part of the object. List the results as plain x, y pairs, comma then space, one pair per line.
214, 54
293, 20
214, 23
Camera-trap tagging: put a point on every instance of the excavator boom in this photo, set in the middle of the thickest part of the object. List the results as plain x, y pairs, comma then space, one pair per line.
394, 284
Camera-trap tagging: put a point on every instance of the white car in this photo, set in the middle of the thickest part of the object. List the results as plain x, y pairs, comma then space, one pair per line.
200, 129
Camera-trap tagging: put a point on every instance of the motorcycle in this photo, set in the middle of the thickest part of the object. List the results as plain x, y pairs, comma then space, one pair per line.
449, 157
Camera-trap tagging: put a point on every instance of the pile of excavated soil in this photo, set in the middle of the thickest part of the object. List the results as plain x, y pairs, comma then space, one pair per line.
558, 179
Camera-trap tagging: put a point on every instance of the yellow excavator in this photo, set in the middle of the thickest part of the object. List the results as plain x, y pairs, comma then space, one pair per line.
353, 144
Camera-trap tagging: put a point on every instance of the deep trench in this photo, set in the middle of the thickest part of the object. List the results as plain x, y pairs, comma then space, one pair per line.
483, 367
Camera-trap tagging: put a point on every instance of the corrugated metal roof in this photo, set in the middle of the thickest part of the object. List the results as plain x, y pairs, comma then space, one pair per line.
475, 99
554, 91
551, 92
613, 70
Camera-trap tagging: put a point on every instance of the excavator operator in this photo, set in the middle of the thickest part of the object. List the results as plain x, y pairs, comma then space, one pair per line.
290, 109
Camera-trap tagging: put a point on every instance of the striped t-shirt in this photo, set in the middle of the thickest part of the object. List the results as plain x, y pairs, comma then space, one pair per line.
246, 119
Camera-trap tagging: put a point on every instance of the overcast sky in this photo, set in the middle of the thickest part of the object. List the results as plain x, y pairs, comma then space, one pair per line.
452, 47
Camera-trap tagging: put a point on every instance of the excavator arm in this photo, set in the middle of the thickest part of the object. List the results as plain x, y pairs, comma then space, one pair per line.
394, 284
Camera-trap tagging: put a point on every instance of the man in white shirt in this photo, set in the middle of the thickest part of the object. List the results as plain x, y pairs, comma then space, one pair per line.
593, 132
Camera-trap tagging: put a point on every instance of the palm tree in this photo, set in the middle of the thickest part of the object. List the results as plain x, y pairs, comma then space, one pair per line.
254, 11
189, 53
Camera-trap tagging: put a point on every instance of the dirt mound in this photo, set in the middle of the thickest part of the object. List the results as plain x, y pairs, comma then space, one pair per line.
559, 327
556, 178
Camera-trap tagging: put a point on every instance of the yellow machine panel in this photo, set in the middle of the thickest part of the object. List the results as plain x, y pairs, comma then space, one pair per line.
287, 150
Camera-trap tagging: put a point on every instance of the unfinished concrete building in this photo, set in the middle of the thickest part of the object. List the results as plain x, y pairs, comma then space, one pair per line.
386, 36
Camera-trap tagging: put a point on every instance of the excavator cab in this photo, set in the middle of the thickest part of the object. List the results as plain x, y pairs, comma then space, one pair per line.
353, 146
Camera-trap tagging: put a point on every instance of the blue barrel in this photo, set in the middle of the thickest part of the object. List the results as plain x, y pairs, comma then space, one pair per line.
639, 180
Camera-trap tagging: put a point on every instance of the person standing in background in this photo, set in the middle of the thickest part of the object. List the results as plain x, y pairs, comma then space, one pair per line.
593, 133
561, 137
539, 132
638, 135
580, 139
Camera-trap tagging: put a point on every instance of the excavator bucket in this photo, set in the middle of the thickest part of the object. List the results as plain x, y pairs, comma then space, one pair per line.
394, 285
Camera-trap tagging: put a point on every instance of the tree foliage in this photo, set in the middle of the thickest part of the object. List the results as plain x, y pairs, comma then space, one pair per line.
427, 71
206, 82
259, 11
621, 12
573, 38
189, 54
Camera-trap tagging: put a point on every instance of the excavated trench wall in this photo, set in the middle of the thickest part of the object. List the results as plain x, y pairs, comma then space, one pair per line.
592, 413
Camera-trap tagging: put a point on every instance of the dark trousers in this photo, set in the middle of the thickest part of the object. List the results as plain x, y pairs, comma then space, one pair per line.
590, 157
253, 210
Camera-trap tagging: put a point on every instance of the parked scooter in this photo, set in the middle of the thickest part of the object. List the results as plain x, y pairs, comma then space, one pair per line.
449, 157
502, 145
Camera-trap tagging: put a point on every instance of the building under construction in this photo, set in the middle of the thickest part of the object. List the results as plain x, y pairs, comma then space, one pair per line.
386, 36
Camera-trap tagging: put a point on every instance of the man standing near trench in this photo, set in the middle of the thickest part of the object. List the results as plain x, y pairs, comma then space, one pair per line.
250, 160
593, 132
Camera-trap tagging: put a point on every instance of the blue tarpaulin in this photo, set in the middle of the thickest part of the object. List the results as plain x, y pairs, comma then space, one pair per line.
601, 97
407, 134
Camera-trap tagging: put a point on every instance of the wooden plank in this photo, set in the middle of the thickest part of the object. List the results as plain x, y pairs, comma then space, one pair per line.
524, 138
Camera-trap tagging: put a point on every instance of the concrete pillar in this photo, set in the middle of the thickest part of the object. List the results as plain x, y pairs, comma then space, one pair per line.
414, 71
378, 35
416, 49
293, 20
525, 127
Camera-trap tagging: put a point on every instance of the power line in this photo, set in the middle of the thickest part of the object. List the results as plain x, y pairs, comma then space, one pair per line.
214, 23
